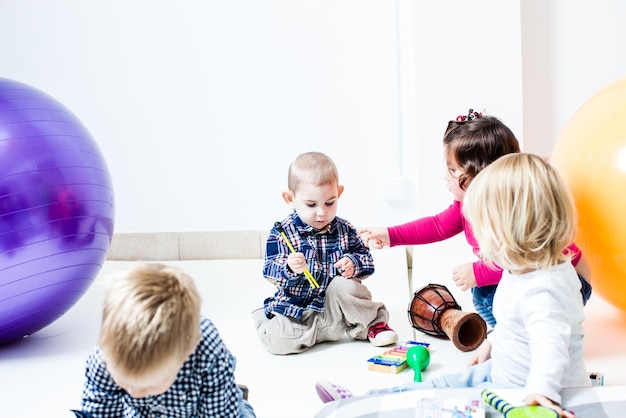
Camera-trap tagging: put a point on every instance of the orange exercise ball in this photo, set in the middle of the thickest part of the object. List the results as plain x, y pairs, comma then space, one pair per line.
591, 156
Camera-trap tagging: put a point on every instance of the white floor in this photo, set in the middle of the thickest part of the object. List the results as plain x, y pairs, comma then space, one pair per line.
42, 375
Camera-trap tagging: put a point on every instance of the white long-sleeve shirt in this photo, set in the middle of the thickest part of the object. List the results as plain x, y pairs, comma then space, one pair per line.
538, 341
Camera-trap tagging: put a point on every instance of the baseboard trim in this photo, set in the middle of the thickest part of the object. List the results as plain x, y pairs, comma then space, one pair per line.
209, 245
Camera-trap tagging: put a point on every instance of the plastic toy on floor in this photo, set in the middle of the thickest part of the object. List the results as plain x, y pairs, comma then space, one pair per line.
394, 360
511, 411
418, 358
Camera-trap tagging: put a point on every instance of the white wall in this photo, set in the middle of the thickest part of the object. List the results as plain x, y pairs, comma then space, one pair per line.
466, 56
199, 106
571, 50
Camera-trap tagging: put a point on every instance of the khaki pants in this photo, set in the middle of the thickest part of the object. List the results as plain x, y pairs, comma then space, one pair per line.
348, 308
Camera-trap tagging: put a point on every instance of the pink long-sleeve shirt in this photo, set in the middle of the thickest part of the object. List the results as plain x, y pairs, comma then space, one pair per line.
445, 225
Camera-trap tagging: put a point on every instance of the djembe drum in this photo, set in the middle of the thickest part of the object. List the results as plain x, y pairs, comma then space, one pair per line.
434, 311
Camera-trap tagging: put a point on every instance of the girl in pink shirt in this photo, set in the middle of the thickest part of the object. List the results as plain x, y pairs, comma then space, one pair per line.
470, 144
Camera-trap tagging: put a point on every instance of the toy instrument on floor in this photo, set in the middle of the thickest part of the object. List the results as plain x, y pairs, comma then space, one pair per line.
418, 358
510, 411
434, 311
394, 360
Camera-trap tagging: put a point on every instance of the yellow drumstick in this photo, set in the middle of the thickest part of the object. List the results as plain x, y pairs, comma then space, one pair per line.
307, 273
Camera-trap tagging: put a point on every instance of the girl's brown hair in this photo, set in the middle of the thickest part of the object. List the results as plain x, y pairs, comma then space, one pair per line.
476, 143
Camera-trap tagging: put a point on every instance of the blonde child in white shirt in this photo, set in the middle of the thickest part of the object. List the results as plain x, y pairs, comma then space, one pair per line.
523, 217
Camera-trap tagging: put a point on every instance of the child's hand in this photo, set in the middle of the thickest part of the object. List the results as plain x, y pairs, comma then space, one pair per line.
296, 262
346, 267
483, 353
376, 238
539, 399
463, 276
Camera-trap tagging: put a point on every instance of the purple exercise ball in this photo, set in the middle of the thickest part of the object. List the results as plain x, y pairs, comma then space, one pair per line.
56, 210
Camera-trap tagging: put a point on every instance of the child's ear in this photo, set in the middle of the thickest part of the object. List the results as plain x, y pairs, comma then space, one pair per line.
288, 198
339, 190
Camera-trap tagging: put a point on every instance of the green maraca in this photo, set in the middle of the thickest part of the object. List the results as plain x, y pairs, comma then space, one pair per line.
418, 358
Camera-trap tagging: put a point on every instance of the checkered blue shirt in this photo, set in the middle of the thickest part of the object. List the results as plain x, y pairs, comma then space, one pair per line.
322, 249
205, 386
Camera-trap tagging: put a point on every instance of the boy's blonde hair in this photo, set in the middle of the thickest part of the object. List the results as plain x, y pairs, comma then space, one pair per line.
521, 213
151, 314
312, 167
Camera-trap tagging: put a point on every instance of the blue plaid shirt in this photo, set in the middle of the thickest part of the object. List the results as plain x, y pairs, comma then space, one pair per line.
205, 386
322, 249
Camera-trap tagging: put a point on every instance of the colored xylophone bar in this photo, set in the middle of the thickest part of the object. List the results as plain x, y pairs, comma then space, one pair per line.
393, 360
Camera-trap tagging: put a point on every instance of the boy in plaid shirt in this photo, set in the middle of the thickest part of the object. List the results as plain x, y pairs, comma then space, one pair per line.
156, 355
329, 250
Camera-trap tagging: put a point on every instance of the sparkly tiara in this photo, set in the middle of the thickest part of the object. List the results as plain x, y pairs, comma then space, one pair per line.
471, 115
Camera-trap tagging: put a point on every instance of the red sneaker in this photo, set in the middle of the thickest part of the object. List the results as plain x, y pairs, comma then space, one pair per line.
381, 335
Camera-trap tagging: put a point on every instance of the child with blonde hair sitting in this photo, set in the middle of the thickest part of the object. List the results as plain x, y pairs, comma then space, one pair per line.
156, 355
